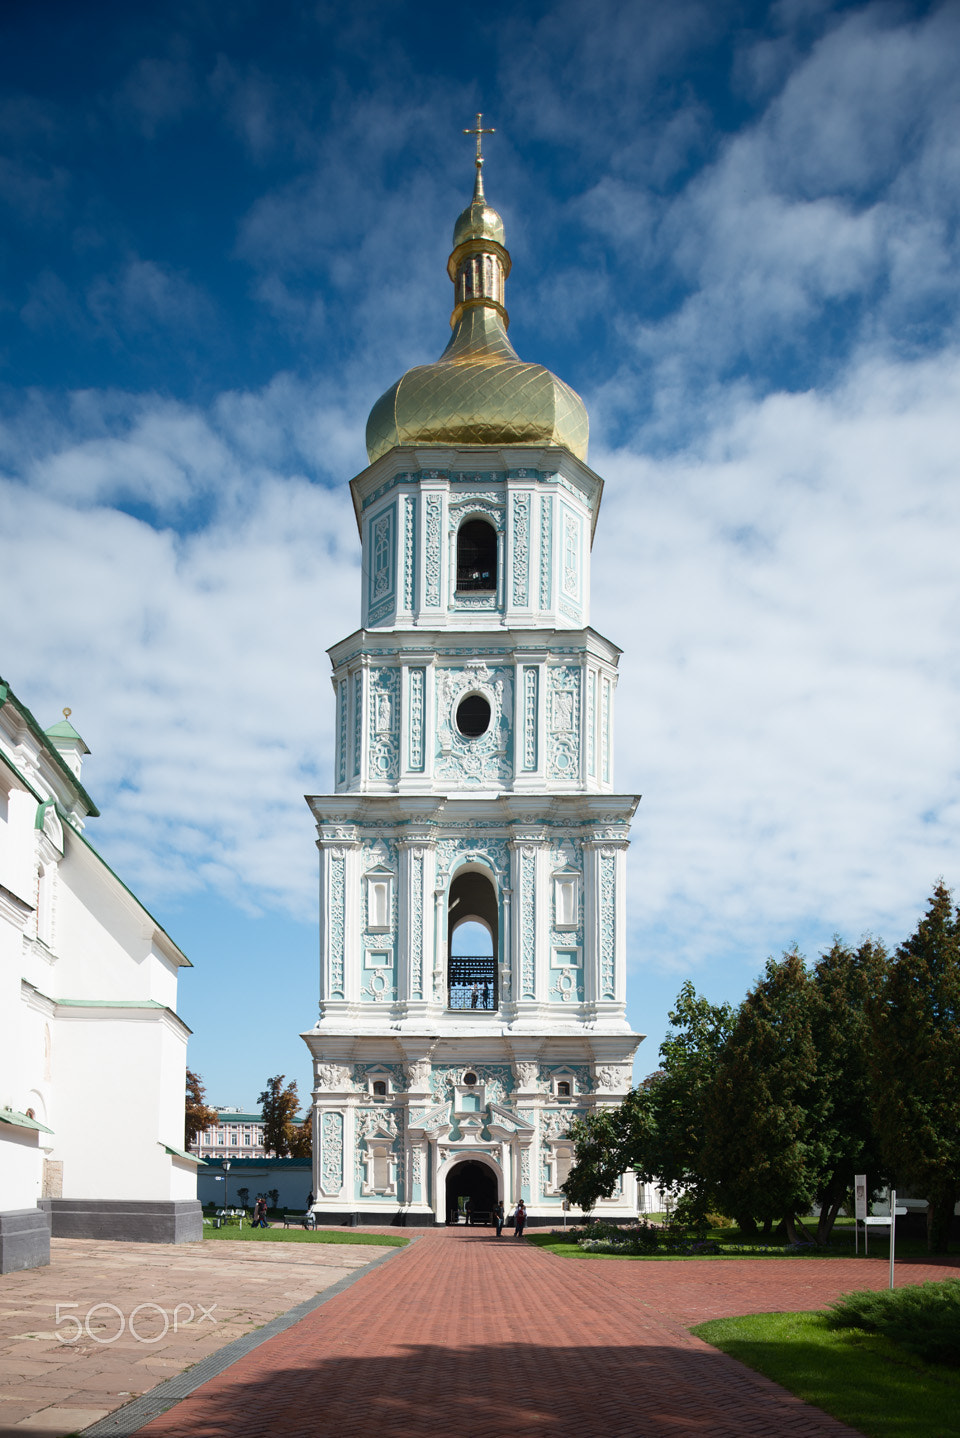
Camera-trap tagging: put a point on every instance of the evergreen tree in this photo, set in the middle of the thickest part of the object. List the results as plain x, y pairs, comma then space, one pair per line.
764, 1152
197, 1116
916, 1064
279, 1107
845, 983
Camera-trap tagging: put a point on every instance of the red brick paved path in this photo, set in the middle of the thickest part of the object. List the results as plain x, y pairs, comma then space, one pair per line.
462, 1334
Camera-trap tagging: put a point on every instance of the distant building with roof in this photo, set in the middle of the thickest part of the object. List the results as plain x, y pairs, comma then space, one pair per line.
235, 1135
91, 1044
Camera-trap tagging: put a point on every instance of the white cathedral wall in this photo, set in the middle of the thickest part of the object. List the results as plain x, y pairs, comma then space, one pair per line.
113, 1096
21, 1167
102, 938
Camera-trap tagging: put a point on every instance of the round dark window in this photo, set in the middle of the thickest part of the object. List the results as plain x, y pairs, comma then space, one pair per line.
470, 1079
473, 716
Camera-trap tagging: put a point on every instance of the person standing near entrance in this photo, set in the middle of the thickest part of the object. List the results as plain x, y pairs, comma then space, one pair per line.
499, 1217
519, 1219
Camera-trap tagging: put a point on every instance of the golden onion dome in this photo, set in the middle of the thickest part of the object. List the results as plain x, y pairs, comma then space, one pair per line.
479, 391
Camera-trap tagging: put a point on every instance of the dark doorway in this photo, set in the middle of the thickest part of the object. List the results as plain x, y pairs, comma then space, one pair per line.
473, 1181
477, 557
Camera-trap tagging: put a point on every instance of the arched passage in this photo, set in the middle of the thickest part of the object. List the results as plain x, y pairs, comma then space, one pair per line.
473, 1181
472, 976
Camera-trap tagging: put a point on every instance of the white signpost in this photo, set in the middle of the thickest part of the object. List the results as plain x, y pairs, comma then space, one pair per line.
881, 1222
859, 1209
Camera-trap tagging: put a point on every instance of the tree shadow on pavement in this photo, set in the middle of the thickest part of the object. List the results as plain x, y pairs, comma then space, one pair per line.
508, 1390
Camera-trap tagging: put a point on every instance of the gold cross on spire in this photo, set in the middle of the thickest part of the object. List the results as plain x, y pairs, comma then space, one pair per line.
479, 131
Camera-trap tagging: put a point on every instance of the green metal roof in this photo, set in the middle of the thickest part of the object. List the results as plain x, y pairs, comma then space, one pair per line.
64, 730
22, 1120
110, 1004
7, 694
236, 1163
182, 1153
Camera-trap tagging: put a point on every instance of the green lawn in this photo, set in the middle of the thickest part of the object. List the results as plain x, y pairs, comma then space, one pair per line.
861, 1378
301, 1235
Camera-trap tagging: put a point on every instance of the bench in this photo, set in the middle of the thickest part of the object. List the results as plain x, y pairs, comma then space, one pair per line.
227, 1215
299, 1220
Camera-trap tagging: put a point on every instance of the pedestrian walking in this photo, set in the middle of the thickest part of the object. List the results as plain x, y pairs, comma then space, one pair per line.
499, 1218
519, 1219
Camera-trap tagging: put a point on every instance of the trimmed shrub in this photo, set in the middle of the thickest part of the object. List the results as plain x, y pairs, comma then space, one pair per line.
924, 1318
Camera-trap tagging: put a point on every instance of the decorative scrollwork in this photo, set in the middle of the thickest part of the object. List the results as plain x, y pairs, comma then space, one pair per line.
608, 924
331, 1152
434, 510
337, 918
563, 751
546, 526
332, 1076
521, 547
409, 552
384, 739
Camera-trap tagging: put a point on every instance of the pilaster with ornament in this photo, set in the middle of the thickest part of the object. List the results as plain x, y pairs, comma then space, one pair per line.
413, 733
520, 545
417, 866
546, 555
339, 910
358, 728
528, 959
342, 732
432, 584
409, 553
604, 931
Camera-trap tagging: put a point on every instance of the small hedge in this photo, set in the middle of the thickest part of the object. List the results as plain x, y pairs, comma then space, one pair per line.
924, 1318
643, 1240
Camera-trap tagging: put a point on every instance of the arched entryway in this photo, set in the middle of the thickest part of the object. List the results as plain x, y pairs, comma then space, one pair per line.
472, 915
474, 1181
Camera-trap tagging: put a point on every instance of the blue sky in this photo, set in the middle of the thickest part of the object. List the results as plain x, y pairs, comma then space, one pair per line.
734, 231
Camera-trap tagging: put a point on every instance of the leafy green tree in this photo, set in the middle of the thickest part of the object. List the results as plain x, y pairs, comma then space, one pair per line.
845, 982
197, 1116
916, 1063
608, 1143
659, 1128
689, 1060
301, 1140
279, 1108
764, 1151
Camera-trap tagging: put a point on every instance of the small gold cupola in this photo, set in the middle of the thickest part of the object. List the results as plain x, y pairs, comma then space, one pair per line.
479, 391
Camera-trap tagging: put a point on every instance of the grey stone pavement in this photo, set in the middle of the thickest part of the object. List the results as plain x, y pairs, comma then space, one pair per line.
62, 1371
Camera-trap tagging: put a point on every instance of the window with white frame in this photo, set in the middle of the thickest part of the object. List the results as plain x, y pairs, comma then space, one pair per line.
379, 901
566, 900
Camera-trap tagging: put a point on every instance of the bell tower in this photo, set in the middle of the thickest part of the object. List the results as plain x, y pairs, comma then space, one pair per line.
473, 787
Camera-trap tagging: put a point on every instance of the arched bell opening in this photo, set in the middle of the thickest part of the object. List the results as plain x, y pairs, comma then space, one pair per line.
474, 1183
476, 557
473, 942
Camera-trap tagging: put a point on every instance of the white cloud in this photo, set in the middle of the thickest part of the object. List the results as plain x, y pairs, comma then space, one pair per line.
143, 295
791, 696
194, 664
